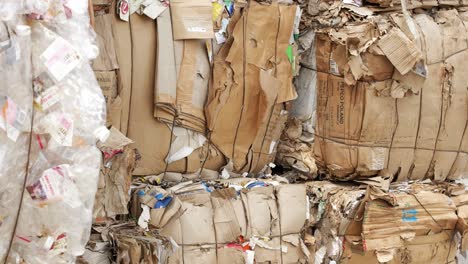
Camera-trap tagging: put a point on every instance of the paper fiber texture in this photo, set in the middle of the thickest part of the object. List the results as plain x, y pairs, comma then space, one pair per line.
107, 59
192, 19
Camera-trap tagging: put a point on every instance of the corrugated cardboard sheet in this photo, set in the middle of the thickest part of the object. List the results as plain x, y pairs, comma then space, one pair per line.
396, 102
105, 67
130, 244
182, 79
136, 43
252, 78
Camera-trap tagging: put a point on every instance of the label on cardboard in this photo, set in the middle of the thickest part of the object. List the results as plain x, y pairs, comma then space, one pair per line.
192, 19
409, 215
334, 67
60, 58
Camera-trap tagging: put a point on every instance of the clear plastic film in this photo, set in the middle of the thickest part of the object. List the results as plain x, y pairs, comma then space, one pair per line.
52, 108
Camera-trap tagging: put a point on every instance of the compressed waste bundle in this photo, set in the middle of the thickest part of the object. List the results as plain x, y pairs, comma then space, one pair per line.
253, 74
413, 223
127, 70
250, 221
391, 96
381, 91
271, 221
161, 79
199, 95
53, 113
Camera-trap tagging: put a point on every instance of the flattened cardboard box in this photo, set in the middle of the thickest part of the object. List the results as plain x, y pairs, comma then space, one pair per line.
192, 19
244, 78
136, 86
123, 47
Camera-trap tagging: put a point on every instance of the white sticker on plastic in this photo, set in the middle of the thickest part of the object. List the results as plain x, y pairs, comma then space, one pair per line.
50, 97
60, 128
60, 58
12, 118
50, 186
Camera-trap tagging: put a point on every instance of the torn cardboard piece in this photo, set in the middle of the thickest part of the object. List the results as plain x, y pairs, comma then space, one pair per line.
115, 178
400, 50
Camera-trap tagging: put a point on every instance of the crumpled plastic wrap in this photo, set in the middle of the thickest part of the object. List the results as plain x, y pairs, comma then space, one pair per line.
52, 115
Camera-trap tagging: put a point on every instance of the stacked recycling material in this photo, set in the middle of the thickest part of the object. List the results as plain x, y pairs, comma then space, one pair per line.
200, 72
271, 221
203, 90
53, 113
408, 224
127, 69
250, 221
400, 103
390, 89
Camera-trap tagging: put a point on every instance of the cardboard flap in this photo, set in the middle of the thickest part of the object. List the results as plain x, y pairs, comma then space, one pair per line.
400, 50
192, 19
166, 72
116, 140
292, 203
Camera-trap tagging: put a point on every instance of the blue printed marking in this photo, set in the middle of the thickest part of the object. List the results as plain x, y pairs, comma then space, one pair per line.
409, 215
